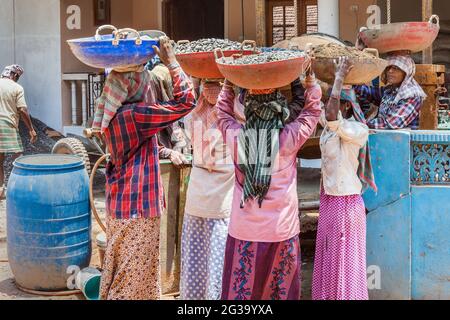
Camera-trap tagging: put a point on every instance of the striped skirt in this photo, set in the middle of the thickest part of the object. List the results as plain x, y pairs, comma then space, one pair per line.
10, 141
202, 257
262, 271
340, 260
131, 267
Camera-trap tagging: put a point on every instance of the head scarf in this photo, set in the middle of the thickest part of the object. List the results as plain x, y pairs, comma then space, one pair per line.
205, 113
365, 171
117, 92
9, 70
264, 113
409, 87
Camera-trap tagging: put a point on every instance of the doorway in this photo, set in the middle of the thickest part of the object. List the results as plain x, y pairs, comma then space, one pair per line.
194, 19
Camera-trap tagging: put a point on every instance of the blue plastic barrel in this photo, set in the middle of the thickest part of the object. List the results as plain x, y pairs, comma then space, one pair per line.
48, 220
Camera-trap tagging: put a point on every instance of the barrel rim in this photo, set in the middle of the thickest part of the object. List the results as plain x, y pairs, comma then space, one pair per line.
77, 163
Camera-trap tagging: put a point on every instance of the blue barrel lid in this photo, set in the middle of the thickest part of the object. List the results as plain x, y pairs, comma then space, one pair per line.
49, 162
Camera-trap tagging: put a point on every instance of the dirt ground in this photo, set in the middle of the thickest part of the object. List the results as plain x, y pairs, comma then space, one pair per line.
308, 192
9, 291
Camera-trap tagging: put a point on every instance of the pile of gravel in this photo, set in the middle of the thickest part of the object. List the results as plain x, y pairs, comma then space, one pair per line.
43, 145
271, 49
207, 45
332, 50
265, 57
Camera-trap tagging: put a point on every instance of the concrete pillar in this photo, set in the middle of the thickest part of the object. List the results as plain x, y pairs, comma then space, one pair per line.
73, 86
84, 102
329, 16
7, 54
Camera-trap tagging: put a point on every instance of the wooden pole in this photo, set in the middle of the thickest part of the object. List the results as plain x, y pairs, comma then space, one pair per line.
389, 17
427, 12
430, 77
261, 23
296, 18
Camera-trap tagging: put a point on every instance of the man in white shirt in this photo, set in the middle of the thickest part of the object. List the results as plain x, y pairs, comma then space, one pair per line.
13, 107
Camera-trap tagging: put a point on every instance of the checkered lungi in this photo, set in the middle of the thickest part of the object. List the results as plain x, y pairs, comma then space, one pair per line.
10, 141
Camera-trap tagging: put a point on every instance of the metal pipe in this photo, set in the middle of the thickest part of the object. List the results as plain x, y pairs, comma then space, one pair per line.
91, 192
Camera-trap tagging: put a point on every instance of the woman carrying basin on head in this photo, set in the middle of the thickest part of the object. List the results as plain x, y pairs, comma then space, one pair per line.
262, 256
340, 258
400, 100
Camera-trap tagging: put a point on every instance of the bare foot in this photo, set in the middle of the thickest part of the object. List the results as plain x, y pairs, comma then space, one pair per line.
2, 193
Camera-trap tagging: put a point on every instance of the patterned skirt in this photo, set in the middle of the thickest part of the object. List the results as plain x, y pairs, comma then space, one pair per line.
131, 267
10, 141
202, 257
262, 271
340, 260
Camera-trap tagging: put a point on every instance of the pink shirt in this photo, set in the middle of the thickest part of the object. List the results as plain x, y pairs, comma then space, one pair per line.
278, 219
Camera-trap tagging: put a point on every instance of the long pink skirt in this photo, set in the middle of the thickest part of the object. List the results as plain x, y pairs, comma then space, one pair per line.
262, 270
340, 261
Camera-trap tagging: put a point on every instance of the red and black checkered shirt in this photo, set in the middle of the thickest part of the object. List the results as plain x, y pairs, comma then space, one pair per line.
134, 186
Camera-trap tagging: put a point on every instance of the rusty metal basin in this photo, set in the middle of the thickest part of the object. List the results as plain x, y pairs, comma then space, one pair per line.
262, 76
364, 70
412, 36
203, 65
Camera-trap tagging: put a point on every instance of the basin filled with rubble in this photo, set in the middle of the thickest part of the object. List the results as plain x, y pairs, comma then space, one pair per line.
267, 70
197, 57
366, 64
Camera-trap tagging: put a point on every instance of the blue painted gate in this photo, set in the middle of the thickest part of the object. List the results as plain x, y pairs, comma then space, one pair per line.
408, 225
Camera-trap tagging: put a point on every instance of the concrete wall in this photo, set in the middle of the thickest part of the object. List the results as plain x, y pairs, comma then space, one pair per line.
352, 16
6, 33
145, 14
329, 16
442, 8
234, 23
122, 13
37, 49
402, 10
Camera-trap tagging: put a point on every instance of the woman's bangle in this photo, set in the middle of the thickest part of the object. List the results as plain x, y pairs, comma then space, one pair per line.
173, 65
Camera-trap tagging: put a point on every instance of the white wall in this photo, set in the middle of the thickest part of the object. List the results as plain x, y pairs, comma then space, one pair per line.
38, 49
6, 33
329, 16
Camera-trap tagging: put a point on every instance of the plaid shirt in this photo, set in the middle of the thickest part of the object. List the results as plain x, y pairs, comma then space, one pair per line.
134, 185
391, 116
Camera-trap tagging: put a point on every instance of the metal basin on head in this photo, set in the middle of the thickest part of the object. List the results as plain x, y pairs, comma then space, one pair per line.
203, 65
364, 70
411, 36
123, 48
269, 75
